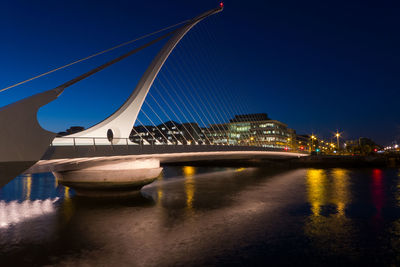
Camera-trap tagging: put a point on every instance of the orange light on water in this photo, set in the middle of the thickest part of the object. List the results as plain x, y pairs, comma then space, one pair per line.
189, 171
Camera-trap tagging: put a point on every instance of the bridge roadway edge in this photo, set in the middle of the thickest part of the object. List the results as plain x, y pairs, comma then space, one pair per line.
71, 152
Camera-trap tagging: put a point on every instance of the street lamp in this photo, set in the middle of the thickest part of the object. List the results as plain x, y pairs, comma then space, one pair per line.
337, 138
312, 141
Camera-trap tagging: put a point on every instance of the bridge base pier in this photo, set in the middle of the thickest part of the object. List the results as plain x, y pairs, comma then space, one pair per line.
122, 179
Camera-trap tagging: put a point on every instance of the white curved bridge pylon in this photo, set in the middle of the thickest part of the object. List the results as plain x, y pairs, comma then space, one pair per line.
119, 125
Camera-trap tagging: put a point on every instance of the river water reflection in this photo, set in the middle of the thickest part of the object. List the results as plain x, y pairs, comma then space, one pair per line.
208, 216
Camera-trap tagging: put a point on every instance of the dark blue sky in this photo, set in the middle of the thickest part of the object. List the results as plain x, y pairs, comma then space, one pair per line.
314, 65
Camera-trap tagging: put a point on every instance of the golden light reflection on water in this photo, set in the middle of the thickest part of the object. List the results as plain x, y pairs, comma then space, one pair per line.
340, 194
328, 189
68, 207
325, 190
66, 193
188, 173
316, 190
160, 188
28, 186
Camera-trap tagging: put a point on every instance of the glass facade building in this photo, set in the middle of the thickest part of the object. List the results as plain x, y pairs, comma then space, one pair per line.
256, 129
247, 130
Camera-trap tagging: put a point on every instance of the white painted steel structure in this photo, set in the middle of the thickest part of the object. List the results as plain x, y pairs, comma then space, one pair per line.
123, 120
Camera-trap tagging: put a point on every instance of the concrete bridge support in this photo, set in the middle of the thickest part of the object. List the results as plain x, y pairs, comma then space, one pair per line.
112, 179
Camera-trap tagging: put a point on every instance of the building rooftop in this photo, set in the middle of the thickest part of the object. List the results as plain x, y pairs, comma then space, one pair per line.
250, 117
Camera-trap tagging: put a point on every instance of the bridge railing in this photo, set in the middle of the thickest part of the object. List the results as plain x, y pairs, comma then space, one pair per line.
92, 141
99, 141
103, 141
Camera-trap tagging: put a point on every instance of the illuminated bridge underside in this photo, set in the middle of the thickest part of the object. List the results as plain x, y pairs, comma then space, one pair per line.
65, 158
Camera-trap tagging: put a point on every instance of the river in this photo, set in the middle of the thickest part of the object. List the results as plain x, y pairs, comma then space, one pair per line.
194, 216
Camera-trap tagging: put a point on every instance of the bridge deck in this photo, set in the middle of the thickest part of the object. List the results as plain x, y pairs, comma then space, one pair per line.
59, 158
64, 152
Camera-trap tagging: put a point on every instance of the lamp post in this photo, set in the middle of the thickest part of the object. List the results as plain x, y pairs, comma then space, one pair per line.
312, 141
337, 139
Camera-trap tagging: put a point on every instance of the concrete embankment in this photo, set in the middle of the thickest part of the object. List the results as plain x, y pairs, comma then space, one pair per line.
315, 161
330, 161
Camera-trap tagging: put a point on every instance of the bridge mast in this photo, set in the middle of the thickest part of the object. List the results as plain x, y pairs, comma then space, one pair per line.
120, 124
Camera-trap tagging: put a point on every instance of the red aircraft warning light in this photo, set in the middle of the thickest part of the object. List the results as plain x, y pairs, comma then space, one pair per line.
221, 5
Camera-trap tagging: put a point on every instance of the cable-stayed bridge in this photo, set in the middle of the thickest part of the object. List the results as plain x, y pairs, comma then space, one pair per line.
106, 158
